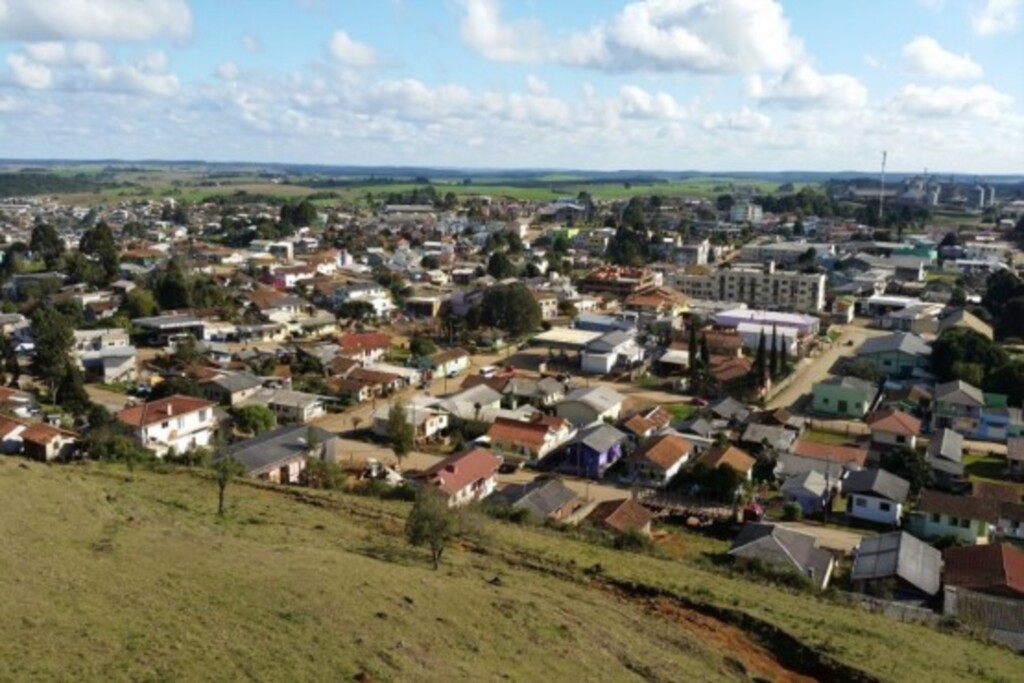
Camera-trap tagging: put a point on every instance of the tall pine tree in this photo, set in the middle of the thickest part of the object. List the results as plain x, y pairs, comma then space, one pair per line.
773, 355
761, 362
691, 348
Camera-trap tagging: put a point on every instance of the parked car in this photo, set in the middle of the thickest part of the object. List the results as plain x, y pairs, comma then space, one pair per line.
699, 402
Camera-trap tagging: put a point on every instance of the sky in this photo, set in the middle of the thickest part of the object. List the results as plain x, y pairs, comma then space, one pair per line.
712, 85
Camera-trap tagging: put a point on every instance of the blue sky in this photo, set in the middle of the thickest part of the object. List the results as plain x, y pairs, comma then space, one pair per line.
606, 84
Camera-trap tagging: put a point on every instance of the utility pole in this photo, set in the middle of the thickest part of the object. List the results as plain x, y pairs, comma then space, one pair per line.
881, 192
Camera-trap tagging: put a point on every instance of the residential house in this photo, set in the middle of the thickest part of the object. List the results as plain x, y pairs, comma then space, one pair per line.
958, 406
279, 455
942, 515
528, 440
172, 425
542, 499
590, 404
645, 424
611, 351
623, 516
365, 347
109, 364
729, 409
449, 362
465, 477
594, 450
996, 569
844, 396
830, 460
896, 566
288, 406
232, 389
730, 456
36, 440
892, 428
900, 355
784, 549
548, 303
542, 393
945, 456
875, 495
659, 459
809, 490
961, 317
771, 437
429, 422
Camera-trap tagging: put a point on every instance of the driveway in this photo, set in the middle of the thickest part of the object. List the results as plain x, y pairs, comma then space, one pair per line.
111, 400
812, 371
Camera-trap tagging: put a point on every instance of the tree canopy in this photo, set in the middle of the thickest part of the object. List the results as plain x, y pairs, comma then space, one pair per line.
431, 523
47, 245
511, 308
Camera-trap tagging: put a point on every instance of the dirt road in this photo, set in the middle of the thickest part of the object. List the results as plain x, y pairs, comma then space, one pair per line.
816, 369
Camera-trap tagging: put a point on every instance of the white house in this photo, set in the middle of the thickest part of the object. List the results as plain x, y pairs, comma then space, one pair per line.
174, 424
429, 422
613, 349
289, 406
465, 477
450, 362
875, 496
893, 428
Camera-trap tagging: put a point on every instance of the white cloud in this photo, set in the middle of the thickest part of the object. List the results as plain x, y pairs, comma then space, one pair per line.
924, 55
745, 119
351, 52
981, 101
536, 85
804, 87
638, 103
227, 71
251, 43
98, 20
700, 36
29, 73
996, 16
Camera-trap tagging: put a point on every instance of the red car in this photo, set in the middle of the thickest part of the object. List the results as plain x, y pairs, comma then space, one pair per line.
698, 401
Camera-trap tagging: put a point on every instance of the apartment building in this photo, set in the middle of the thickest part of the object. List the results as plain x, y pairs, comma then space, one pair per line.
758, 287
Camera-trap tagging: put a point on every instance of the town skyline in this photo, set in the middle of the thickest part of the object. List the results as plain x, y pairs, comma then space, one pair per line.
734, 86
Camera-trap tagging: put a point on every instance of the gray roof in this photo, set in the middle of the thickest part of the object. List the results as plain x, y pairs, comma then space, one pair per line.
878, 483
946, 444
778, 438
898, 554
729, 408
781, 547
607, 342
277, 446
904, 342
168, 321
852, 384
239, 382
598, 398
791, 463
601, 437
698, 426
947, 391
541, 498
811, 481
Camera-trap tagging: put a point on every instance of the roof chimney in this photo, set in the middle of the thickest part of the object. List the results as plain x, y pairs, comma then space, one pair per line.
170, 409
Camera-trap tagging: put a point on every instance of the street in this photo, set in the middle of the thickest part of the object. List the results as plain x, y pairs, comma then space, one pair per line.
816, 369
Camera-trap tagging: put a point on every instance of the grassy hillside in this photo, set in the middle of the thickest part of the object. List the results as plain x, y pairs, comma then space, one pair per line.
109, 579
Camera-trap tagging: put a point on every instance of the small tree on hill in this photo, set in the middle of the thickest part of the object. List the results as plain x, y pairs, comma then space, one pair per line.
400, 432
431, 523
225, 470
253, 419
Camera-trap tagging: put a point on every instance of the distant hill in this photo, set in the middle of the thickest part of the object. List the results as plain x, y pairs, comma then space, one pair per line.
109, 579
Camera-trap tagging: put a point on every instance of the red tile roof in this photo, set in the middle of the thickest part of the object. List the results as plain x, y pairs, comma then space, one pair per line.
456, 472
160, 410
831, 452
42, 434
530, 434
732, 456
997, 568
664, 451
358, 341
622, 515
894, 421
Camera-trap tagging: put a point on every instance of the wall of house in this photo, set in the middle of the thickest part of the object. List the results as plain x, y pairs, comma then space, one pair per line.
475, 491
598, 363
179, 433
873, 509
895, 440
939, 525
827, 399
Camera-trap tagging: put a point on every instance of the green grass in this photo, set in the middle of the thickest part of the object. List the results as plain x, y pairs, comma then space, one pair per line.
984, 466
115, 580
681, 411
819, 436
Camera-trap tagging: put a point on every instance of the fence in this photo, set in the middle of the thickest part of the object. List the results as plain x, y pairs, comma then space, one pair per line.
894, 610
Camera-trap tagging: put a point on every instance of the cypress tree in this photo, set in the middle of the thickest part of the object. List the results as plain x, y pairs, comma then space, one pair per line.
761, 361
773, 354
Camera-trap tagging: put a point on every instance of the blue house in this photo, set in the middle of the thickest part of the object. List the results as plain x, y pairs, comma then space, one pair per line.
597, 448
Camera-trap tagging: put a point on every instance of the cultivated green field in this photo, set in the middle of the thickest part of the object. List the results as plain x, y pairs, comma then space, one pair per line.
107, 579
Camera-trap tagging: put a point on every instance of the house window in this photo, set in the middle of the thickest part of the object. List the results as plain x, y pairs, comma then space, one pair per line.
886, 363
953, 521
936, 517
965, 523
884, 507
825, 401
164, 425
901, 439
860, 502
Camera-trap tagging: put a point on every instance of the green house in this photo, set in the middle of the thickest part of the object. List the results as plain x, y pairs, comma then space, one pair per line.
899, 355
844, 396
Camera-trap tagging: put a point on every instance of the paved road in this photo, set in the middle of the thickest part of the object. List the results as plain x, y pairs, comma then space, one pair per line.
816, 369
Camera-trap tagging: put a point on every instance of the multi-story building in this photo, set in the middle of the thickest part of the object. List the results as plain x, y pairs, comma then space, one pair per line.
786, 253
744, 212
759, 287
620, 281
174, 424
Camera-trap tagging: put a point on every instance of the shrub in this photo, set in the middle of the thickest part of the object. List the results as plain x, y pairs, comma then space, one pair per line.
792, 511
